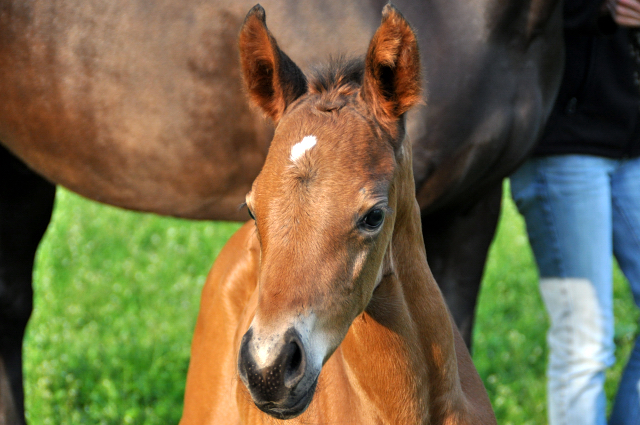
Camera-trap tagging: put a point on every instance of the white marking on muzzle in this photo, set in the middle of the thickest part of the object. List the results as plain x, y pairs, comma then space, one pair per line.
299, 149
316, 343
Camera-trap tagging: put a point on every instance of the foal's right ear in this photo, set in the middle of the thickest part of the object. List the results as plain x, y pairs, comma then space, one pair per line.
271, 78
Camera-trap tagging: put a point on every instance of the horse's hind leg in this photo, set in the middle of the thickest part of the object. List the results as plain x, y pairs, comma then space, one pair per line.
457, 244
26, 202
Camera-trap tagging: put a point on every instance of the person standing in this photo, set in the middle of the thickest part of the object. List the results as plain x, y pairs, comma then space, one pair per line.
580, 196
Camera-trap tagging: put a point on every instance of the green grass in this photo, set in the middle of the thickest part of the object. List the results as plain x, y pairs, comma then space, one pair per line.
117, 296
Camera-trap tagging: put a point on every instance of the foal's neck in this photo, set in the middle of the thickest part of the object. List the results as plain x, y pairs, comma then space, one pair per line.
405, 336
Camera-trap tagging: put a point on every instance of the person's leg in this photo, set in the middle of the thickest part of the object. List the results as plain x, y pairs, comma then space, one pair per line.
625, 185
566, 203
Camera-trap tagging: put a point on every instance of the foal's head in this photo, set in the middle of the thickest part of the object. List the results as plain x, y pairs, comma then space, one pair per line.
336, 179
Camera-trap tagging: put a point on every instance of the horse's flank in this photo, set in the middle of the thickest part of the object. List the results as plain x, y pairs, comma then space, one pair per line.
141, 107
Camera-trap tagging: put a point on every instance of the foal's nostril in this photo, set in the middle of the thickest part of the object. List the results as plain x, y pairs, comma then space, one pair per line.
294, 362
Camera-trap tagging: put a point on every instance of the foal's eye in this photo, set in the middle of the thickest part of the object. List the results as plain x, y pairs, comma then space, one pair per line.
251, 214
373, 220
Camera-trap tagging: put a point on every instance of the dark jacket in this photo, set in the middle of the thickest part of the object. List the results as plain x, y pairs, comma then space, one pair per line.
597, 111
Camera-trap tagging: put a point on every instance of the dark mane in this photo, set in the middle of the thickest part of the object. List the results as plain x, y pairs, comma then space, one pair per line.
337, 78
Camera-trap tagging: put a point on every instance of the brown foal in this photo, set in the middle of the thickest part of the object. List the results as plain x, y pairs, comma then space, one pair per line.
323, 309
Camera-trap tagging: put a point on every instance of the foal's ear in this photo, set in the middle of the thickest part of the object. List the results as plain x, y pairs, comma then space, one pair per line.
392, 80
271, 78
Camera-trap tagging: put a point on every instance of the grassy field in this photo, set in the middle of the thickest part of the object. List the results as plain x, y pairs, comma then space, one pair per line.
117, 295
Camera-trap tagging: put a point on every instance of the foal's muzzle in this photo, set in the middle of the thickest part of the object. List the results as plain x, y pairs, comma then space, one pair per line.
281, 388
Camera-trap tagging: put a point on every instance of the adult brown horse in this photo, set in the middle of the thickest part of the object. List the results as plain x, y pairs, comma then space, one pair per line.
139, 104
342, 319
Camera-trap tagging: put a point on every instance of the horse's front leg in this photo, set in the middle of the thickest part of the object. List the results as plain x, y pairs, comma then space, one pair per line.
26, 202
457, 243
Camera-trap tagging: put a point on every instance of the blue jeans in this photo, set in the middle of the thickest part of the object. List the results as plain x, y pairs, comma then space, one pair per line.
579, 209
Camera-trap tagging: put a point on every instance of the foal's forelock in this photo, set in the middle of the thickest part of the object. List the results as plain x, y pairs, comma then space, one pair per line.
335, 82
338, 75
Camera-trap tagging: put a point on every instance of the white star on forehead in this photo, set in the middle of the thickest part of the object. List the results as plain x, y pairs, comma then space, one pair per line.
301, 147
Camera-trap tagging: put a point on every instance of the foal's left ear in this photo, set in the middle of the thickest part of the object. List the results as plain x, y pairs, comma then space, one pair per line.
272, 79
392, 81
